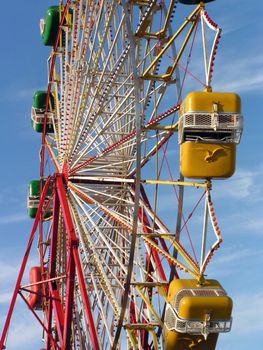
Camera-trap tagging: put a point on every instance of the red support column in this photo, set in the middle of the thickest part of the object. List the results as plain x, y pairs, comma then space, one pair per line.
62, 318
71, 271
23, 265
49, 323
52, 270
58, 311
75, 260
85, 298
41, 323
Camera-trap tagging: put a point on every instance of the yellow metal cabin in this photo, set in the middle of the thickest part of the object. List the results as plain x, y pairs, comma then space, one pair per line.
196, 314
210, 126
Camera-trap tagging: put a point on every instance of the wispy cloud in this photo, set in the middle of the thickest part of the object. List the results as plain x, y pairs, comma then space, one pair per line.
7, 198
22, 93
10, 267
247, 325
233, 259
241, 200
242, 185
246, 311
25, 93
23, 333
236, 255
13, 218
255, 225
242, 74
8, 272
5, 297
236, 17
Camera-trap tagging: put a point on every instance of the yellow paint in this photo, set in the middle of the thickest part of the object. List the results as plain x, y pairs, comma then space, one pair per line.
149, 304
207, 160
179, 284
196, 308
177, 183
142, 32
180, 341
193, 19
202, 159
204, 101
194, 271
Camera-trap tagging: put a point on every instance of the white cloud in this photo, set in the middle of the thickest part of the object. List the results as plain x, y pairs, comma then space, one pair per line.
26, 92
5, 297
13, 218
22, 93
7, 194
247, 324
8, 272
235, 261
242, 221
238, 65
237, 254
240, 73
23, 332
245, 184
255, 224
247, 314
236, 17
240, 198
10, 267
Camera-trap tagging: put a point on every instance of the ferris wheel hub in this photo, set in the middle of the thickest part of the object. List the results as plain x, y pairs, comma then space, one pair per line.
65, 171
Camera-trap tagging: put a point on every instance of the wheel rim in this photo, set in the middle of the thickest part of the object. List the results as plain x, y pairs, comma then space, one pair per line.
111, 122
98, 151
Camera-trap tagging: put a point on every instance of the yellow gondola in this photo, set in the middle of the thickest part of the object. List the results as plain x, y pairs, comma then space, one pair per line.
210, 126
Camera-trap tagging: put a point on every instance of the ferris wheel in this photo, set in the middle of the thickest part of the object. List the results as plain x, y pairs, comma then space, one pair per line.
132, 137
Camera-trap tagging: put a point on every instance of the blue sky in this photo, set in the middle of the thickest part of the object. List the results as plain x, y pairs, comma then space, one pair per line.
239, 201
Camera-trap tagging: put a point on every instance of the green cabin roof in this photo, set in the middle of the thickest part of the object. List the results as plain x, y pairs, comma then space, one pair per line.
39, 103
34, 188
39, 99
51, 26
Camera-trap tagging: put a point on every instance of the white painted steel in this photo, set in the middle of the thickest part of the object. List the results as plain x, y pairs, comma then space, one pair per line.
104, 135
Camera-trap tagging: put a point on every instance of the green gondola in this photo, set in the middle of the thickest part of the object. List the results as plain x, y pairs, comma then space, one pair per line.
51, 25
34, 198
38, 110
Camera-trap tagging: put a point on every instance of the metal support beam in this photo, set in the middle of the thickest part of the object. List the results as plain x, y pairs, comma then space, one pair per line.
74, 264
23, 265
52, 267
177, 183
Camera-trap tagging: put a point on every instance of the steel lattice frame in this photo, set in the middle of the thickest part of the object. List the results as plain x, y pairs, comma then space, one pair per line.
109, 257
